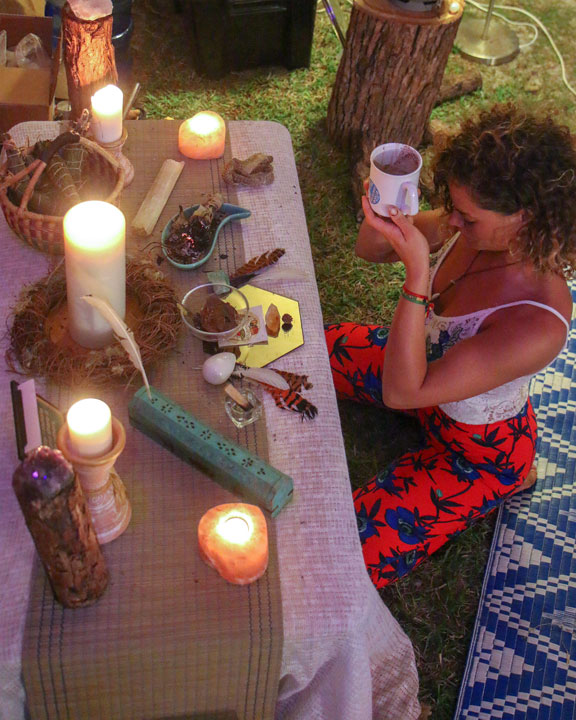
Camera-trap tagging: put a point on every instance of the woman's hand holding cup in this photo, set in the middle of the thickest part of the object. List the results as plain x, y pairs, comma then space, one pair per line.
394, 176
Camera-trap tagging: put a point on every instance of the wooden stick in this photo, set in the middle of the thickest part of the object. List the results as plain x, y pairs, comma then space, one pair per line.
237, 396
156, 198
31, 185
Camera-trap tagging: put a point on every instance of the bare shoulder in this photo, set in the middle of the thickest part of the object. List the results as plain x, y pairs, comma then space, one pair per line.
552, 291
537, 305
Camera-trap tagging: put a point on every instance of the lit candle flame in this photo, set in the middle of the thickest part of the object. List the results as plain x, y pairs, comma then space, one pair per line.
203, 124
235, 529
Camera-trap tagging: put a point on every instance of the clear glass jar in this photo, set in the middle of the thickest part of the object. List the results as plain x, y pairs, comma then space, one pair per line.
241, 417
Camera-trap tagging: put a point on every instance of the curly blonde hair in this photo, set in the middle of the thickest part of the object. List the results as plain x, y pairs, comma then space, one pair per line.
512, 161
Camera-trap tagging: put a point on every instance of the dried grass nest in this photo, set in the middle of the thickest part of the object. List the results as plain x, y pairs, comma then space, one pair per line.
33, 352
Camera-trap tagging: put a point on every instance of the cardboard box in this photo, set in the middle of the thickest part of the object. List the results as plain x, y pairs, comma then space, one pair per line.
27, 94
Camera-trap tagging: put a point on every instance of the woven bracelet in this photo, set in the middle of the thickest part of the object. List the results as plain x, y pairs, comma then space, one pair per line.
414, 298
413, 294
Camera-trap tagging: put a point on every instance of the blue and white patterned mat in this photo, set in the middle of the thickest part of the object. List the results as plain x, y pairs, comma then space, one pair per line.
522, 658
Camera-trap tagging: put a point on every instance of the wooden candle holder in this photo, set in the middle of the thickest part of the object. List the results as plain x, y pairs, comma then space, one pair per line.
115, 149
104, 490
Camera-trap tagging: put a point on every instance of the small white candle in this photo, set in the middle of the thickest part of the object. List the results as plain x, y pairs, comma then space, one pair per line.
89, 428
235, 529
107, 114
203, 136
95, 256
233, 539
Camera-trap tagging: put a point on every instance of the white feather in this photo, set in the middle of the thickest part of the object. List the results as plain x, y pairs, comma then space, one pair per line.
122, 332
263, 375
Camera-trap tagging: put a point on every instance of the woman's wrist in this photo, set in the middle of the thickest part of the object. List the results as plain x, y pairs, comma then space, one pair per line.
417, 283
415, 298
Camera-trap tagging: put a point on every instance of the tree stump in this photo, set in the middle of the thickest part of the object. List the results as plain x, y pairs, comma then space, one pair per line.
389, 75
88, 57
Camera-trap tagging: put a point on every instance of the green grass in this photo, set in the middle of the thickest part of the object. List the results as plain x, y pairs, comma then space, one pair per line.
437, 604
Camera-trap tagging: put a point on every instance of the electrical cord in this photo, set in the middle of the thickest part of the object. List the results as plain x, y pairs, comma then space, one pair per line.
539, 24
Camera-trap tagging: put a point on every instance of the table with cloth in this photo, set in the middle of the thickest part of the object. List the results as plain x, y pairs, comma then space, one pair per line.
339, 651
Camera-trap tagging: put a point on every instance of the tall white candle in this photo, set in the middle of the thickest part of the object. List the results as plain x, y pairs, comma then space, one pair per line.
107, 114
89, 428
95, 256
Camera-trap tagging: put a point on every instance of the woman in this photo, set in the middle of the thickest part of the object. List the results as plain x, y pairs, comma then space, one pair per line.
475, 321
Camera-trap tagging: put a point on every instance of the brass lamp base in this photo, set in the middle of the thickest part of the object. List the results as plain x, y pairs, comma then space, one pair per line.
494, 45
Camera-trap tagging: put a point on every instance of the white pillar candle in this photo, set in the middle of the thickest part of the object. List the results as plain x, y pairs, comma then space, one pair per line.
95, 256
89, 428
107, 114
203, 136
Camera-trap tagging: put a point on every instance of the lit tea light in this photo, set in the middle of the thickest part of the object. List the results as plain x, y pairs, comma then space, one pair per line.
233, 539
106, 121
95, 261
89, 428
236, 530
202, 137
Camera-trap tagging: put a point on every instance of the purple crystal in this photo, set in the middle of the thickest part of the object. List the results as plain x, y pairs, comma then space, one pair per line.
42, 474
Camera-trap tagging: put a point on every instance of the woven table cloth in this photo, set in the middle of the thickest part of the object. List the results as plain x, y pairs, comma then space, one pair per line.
344, 655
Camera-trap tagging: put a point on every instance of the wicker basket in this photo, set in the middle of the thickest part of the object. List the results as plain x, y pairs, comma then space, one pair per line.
45, 232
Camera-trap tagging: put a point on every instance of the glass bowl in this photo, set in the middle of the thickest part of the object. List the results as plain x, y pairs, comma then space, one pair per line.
195, 299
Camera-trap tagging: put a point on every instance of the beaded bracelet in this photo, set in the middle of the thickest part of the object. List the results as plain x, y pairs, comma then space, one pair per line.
414, 297
413, 294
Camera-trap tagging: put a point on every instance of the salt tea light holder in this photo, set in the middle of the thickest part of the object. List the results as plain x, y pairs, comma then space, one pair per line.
203, 136
91, 440
108, 128
233, 539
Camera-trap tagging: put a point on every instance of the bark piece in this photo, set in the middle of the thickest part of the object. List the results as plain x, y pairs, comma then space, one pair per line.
88, 58
57, 517
452, 88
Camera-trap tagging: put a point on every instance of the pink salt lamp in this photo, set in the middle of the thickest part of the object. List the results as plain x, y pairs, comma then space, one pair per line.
202, 137
233, 539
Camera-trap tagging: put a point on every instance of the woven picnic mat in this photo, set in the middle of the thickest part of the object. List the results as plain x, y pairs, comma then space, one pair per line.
170, 638
522, 657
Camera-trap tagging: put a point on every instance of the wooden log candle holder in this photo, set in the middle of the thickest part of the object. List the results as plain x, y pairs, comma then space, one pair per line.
58, 519
88, 52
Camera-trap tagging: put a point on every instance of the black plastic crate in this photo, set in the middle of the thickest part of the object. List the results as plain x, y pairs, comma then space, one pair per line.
239, 34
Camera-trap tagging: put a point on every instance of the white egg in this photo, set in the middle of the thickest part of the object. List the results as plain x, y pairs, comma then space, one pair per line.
218, 368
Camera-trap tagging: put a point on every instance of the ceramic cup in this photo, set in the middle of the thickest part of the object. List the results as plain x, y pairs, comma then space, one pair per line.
394, 174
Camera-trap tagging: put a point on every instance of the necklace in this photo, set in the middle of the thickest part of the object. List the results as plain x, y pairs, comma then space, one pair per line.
467, 272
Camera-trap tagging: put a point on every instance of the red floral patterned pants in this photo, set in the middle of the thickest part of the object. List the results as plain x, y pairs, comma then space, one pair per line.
422, 499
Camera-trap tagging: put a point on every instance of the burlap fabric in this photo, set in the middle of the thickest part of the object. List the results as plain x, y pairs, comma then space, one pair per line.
170, 638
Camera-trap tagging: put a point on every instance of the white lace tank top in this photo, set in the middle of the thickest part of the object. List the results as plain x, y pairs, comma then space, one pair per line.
442, 333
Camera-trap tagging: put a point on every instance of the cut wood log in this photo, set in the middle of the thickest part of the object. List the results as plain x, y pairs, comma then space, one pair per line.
88, 58
389, 75
454, 87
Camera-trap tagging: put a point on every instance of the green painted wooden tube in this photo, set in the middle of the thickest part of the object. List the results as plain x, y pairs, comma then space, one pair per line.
231, 465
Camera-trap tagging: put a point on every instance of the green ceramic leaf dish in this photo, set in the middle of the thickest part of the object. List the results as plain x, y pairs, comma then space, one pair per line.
231, 212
